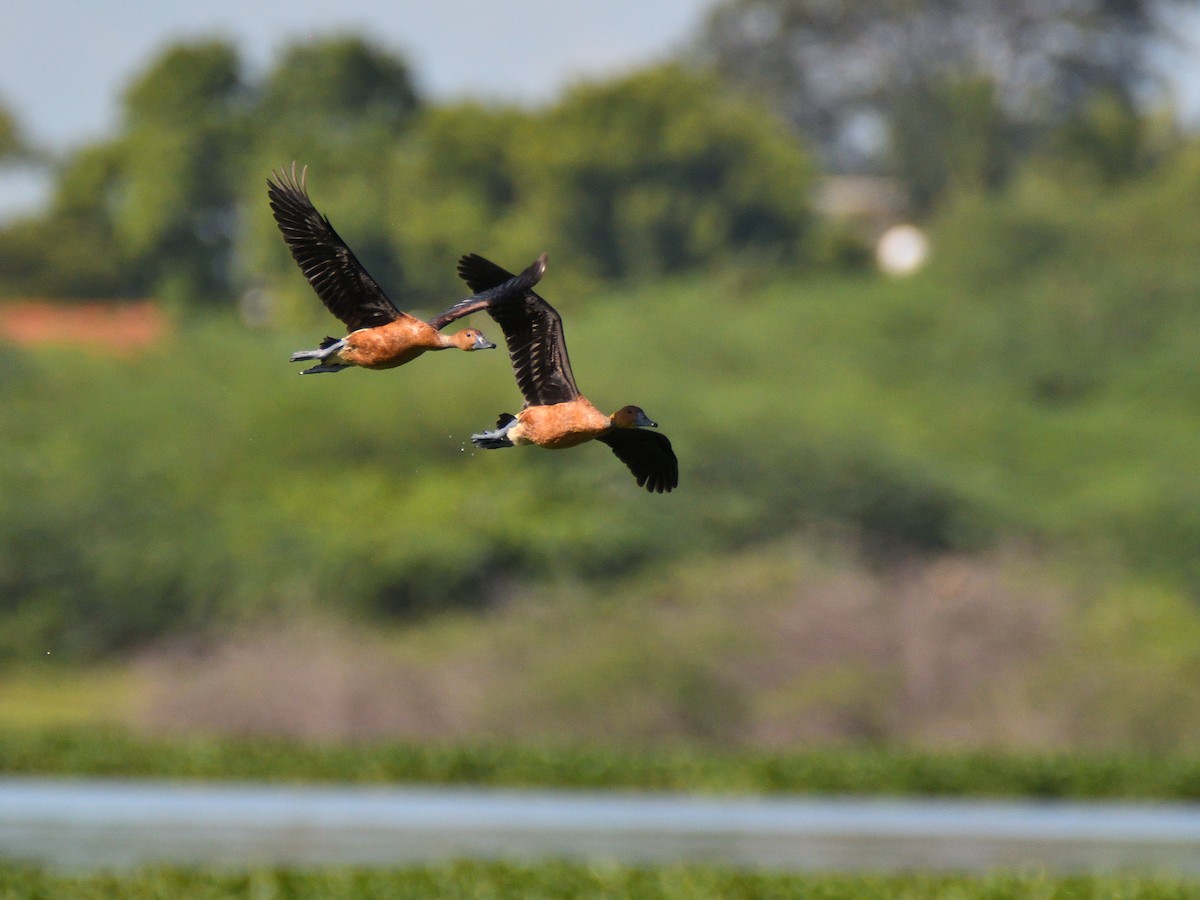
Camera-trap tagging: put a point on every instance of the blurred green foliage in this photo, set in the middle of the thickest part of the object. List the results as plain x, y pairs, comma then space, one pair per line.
836, 770
942, 96
662, 171
576, 881
1037, 381
12, 143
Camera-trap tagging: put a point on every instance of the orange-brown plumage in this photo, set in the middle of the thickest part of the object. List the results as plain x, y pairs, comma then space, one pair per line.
380, 335
556, 415
396, 343
559, 425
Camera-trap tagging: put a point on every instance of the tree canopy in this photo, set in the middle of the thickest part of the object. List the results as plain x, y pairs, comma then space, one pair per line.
654, 173
338, 81
936, 90
667, 169
11, 141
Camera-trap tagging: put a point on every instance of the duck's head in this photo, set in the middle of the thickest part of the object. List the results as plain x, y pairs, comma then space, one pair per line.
471, 339
632, 417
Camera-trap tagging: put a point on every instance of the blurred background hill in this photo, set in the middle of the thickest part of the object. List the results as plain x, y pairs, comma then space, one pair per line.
954, 507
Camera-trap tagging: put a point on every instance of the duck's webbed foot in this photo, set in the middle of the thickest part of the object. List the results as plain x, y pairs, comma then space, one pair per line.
497, 438
328, 348
325, 367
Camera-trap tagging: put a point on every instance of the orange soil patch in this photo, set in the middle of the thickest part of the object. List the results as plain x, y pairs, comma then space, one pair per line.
119, 328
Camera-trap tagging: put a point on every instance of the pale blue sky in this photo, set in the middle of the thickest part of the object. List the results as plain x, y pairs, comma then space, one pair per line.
65, 62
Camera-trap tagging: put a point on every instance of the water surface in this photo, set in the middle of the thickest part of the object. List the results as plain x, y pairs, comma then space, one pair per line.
119, 823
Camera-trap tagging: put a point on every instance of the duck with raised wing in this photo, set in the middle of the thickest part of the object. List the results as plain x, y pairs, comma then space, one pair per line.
556, 414
379, 336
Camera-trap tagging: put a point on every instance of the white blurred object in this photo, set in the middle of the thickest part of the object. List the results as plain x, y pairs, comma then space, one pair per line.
902, 250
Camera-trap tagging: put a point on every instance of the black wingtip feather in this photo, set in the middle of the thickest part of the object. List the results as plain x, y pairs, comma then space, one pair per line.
648, 455
331, 268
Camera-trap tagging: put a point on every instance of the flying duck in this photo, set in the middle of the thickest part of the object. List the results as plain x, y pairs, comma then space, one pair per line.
556, 414
380, 335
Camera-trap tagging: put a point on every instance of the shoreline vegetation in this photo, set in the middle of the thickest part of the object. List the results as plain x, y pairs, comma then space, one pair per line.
580, 881
839, 770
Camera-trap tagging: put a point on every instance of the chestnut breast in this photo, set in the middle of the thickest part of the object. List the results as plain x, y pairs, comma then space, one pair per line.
390, 345
559, 425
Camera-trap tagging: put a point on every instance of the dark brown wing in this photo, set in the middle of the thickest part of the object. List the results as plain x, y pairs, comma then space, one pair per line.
339, 279
648, 455
533, 331
518, 285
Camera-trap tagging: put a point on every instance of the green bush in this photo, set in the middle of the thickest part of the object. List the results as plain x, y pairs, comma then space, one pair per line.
1050, 397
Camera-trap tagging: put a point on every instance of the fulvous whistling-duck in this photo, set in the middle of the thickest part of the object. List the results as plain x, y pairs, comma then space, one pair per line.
556, 414
380, 335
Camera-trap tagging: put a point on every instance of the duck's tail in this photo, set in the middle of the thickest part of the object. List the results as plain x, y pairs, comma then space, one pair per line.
494, 440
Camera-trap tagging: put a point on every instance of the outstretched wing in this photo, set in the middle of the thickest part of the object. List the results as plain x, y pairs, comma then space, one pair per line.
505, 290
339, 279
533, 331
648, 455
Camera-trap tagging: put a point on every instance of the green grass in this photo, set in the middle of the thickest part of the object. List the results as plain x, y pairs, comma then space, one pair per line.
577, 882
836, 770
58, 696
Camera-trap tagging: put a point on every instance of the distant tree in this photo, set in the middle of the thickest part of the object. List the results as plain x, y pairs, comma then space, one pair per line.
186, 82
174, 207
455, 178
12, 143
857, 78
151, 211
664, 171
340, 105
53, 257
73, 251
949, 134
327, 96
1104, 143
656, 173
